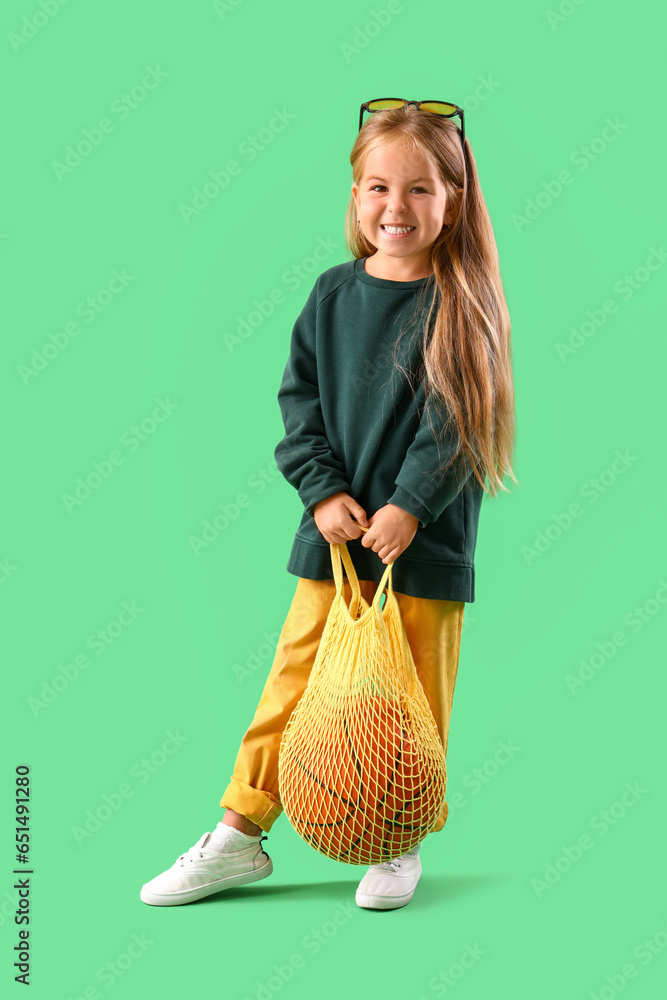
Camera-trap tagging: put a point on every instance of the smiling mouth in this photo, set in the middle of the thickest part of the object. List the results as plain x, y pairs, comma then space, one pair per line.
396, 230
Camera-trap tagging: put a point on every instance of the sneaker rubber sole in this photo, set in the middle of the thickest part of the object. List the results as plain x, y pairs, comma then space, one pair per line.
372, 902
218, 885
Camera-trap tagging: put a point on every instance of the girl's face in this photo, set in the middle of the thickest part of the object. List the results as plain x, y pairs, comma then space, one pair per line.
401, 188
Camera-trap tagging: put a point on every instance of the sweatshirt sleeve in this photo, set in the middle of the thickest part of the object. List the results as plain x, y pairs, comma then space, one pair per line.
304, 455
418, 490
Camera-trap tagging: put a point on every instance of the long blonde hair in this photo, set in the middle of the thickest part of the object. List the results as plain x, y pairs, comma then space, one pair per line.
466, 349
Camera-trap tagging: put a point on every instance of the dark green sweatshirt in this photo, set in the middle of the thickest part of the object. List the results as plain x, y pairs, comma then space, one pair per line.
354, 424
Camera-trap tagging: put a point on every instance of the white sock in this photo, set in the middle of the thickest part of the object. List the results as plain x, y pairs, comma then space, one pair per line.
226, 838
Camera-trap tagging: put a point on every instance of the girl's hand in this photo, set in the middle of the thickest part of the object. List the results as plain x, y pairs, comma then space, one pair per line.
392, 530
333, 517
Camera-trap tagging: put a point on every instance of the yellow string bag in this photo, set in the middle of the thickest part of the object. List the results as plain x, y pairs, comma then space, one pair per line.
361, 768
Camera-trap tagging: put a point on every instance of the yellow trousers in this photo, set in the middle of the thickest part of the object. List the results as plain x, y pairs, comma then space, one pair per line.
433, 629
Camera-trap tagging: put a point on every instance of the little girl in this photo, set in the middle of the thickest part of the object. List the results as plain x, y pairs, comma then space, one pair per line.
398, 405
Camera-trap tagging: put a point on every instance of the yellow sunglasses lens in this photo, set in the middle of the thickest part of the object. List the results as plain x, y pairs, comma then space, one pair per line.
438, 107
384, 105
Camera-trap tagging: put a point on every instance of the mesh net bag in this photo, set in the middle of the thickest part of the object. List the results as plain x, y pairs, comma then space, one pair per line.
361, 767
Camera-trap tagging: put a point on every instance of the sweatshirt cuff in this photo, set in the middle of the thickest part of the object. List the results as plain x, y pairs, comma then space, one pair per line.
401, 498
324, 494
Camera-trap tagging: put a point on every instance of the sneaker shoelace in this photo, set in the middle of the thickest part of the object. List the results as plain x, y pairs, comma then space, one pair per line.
389, 867
193, 854
196, 853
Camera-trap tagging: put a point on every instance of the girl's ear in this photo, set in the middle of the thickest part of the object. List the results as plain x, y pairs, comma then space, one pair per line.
459, 194
355, 195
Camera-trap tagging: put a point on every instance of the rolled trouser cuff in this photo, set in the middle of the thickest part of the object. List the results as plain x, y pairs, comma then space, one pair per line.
261, 808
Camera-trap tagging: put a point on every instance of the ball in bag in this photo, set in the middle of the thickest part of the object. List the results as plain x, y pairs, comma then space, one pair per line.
366, 791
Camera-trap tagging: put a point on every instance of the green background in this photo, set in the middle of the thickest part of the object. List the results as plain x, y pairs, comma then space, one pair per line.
555, 591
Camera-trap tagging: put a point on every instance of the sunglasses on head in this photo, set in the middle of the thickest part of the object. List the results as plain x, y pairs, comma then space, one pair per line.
436, 107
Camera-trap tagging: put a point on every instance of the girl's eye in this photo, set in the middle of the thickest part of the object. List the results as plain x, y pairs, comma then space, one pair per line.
415, 188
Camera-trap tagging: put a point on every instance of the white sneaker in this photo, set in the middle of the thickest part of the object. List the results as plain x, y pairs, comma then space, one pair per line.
390, 884
216, 862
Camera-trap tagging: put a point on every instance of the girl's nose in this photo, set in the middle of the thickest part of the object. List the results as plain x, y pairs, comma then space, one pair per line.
397, 204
